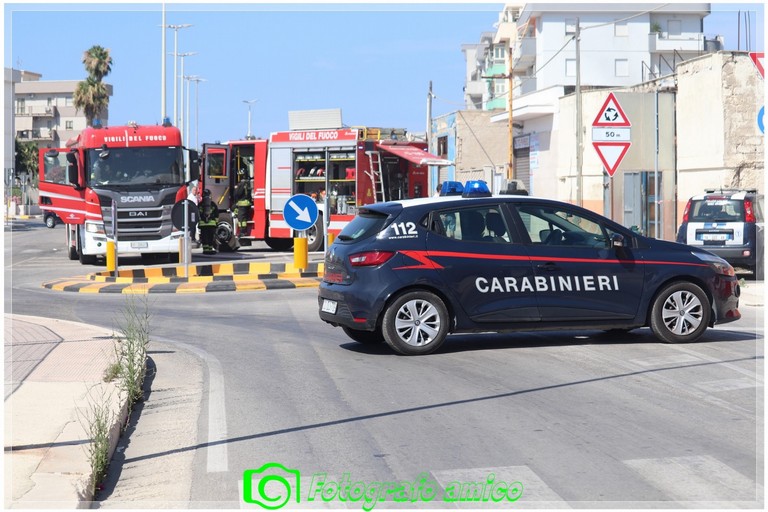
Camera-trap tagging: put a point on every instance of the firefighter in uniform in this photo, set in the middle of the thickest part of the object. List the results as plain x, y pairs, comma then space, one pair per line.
243, 202
209, 215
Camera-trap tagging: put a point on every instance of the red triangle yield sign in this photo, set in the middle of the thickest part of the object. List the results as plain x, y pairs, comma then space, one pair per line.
611, 154
757, 58
611, 114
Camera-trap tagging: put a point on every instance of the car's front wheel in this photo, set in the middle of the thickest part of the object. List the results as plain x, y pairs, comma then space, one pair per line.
50, 221
680, 313
416, 323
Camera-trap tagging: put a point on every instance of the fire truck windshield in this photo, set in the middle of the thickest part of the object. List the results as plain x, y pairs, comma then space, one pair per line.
158, 166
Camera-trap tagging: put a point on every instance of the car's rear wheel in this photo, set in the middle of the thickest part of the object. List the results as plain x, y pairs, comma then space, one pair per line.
366, 337
680, 313
416, 323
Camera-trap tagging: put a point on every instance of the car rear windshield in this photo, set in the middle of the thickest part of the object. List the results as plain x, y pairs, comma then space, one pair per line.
364, 225
716, 210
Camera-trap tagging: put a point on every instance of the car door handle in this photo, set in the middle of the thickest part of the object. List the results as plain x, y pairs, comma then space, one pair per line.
549, 267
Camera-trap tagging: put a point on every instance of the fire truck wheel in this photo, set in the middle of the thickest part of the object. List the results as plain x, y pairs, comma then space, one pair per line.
85, 259
279, 244
315, 236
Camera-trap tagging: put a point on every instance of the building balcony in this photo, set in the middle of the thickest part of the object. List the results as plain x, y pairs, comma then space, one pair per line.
524, 55
30, 111
476, 88
43, 135
661, 42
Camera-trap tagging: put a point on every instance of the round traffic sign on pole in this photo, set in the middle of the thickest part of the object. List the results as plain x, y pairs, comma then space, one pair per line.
300, 212
177, 214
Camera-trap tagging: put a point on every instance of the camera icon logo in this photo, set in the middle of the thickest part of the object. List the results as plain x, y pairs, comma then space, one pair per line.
280, 480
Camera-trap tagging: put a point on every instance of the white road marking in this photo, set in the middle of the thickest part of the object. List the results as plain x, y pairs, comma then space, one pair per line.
218, 460
702, 479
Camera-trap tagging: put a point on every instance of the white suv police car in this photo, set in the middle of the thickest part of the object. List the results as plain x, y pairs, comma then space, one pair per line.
411, 272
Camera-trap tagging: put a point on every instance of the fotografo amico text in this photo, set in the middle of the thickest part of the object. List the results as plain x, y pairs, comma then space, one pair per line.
273, 486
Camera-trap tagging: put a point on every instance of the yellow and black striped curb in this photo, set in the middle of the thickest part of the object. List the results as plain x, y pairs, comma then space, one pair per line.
217, 277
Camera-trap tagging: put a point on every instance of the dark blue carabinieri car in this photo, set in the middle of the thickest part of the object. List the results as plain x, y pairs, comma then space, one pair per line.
411, 272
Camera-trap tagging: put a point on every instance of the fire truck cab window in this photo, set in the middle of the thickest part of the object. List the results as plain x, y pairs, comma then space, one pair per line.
135, 166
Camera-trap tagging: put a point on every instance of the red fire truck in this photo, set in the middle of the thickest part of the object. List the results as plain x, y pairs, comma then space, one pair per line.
342, 169
142, 170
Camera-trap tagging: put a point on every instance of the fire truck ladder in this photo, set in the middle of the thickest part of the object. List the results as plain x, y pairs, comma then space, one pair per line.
377, 181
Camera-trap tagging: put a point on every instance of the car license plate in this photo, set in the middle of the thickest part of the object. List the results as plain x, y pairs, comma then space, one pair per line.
329, 306
716, 237
139, 245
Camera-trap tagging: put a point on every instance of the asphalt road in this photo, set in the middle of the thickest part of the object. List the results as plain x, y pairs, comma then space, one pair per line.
576, 419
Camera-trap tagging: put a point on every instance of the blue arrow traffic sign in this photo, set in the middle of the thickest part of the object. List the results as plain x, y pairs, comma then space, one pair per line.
760, 119
300, 212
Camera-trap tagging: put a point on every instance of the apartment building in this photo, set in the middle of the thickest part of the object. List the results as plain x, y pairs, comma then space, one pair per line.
636, 50
43, 110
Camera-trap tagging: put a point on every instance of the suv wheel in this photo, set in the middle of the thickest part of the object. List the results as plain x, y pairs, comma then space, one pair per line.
50, 221
680, 313
416, 323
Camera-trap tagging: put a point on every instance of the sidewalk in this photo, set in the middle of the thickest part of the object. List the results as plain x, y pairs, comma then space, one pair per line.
53, 378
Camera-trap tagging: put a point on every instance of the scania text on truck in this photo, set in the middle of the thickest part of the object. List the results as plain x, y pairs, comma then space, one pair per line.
142, 170
343, 169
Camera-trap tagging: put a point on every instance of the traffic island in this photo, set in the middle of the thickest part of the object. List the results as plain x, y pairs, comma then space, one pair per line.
214, 277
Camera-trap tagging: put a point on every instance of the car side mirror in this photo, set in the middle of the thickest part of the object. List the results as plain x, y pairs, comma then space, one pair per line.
617, 240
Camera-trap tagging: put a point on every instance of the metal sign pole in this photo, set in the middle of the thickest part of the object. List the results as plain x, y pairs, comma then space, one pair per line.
114, 238
186, 237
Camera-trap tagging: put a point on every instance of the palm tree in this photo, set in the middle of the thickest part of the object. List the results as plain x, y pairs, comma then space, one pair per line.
97, 62
91, 95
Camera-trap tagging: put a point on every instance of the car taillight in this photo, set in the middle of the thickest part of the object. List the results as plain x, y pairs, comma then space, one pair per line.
370, 258
748, 211
687, 210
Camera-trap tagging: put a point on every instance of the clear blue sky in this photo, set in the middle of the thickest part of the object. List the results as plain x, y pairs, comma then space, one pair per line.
374, 61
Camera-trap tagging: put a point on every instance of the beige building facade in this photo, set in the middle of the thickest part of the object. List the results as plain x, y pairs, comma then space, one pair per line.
44, 112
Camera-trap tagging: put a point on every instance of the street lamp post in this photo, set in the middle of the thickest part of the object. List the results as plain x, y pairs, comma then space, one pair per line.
249, 102
175, 54
197, 80
180, 120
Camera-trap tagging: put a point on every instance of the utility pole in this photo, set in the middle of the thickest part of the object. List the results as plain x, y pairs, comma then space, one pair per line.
579, 137
429, 118
510, 123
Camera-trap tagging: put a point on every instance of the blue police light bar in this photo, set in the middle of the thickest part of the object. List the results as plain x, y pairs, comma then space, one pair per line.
96, 123
167, 122
476, 188
452, 188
